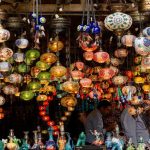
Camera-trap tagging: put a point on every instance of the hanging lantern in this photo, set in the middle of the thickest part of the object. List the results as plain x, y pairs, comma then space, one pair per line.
106, 73
34, 86
88, 56
146, 62
70, 87
115, 62
121, 53
23, 68
5, 53
68, 101
2, 100
128, 40
79, 65
48, 58
115, 69
41, 97
10, 89
77, 75
142, 45
26, 95
146, 88
127, 89
58, 71
146, 32
35, 71
42, 65
118, 22
111, 90
32, 54
55, 45
101, 57
22, 43
86, 82
144, 5
139, 80
44, 76
5, 66
129, 73
15, 78
119, 80
19, 57
4, 34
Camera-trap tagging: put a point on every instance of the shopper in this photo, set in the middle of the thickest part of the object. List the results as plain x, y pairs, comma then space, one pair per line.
133, 125
95, 121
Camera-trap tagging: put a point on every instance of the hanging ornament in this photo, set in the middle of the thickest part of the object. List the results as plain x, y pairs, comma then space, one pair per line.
4, 34
15, 78
121, 53
101, 57
146, 62
119, 80
5, 66
10, 89
42, 65
22, 43
26, 95
5, 53
2, 100
106, 73
86, 82
88, 56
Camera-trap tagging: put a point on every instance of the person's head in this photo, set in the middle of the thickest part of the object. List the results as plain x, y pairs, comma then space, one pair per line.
104, 107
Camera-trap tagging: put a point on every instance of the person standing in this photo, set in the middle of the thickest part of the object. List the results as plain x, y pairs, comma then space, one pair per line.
94, 121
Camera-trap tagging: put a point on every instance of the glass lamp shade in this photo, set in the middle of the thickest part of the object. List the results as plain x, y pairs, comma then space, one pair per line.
142, 45
19, 57
68, 101
44, 76
41, 97
146, 88
5, 66
76, 74
115, 62
22, 43
79, 65
118, 21
119, 80
146, 32
26, 95
88, 56
101, 57
42, 65
5, 53
48, 58
34, 86
128, 40
139, 80
86, 82
58, 71
15, 78
70, 87
55, 45
121, 53
32, 54
127, 89
10, 89
106, 73
2, 100
23, 68
4, 34
35, 71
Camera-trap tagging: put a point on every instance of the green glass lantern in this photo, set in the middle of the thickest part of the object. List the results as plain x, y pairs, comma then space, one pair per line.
42, 65
23, 68
44, 76
35, 86
32, 54
26, 95
28, 61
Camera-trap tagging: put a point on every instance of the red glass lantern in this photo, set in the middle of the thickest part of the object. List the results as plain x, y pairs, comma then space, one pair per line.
79, 65
101, 57
42, 113
129, 73
42, 108
86, 82
88, 56
76, 74
50, 123
1, 115
106, 73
